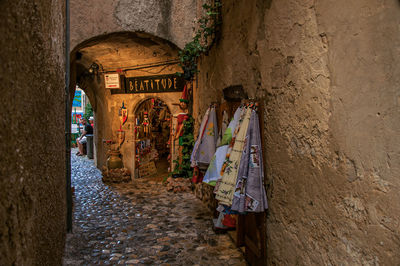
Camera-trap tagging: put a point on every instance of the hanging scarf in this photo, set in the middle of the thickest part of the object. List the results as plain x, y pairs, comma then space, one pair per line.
229, 138
255, 188
250, 195
199, 137
233, 125
214, 169
231, 166
224, 126
208, 142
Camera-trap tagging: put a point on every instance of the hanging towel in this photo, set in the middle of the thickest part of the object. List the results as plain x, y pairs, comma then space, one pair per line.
214, 170
224, 125
256, 197
199, 137
250, 195
229, 137
231, 166
240, 189
208, 141
228, 134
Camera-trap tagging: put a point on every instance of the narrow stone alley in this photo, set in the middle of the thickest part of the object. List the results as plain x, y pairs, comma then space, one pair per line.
140, 223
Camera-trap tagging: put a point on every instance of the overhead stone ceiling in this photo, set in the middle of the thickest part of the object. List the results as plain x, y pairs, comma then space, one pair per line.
126, 50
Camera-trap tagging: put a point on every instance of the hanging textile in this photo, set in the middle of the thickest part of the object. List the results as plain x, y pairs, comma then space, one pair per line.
239, 194
233, 125
214, 169
225, 122
199, 137
197, 175
227, 185
207, 141
250, 195
224, 125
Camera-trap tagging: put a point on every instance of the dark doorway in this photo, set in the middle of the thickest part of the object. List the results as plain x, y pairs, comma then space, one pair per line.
152, 134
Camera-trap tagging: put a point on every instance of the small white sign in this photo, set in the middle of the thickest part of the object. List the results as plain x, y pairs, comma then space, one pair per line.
111, 81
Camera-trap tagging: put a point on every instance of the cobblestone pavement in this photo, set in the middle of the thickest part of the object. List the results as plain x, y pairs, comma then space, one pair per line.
140, 223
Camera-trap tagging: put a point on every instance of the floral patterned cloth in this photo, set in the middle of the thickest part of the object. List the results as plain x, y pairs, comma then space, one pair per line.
214, 169
250, 195
226, 188
199, 137
208, 141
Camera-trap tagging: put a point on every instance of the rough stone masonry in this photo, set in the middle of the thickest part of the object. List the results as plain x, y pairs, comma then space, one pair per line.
328, 77
32, 145
327, 73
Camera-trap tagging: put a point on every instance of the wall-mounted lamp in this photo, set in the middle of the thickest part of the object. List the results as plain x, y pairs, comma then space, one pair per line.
94, 68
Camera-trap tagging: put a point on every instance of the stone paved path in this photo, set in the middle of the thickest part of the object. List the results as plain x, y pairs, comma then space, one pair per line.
140, 223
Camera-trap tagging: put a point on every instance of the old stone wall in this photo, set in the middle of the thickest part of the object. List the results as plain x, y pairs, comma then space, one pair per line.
328, 77
32, 145
168, 19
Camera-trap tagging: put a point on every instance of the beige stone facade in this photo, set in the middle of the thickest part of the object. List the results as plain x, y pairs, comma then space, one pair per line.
327, 74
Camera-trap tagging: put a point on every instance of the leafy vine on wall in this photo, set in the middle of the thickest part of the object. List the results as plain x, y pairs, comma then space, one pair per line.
208, 26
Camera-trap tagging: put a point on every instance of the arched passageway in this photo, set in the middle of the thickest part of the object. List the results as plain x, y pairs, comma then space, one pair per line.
126, 55
129, 55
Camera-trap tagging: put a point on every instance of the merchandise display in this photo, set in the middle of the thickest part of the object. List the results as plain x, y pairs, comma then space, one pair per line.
214, 170
152, 133
240, 186
236, 168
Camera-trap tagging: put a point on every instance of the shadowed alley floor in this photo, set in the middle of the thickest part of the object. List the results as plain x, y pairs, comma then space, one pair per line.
140, 223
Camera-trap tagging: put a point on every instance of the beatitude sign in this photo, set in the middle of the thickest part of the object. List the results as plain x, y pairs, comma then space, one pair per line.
153, 84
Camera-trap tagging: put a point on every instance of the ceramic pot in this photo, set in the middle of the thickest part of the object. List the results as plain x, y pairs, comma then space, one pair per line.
114, 160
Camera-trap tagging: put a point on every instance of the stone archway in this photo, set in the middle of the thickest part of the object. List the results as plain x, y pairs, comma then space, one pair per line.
132, 54
170, 20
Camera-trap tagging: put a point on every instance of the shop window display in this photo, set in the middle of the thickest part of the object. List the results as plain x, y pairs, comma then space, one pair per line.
152, 132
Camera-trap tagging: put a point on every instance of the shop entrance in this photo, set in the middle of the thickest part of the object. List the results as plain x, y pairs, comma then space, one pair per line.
152, 135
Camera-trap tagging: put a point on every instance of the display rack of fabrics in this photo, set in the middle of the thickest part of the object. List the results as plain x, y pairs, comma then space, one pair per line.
152, 133
236, 167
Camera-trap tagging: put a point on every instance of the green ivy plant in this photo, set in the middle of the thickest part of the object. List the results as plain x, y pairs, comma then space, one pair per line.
202, 41
88, 111
184, 169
